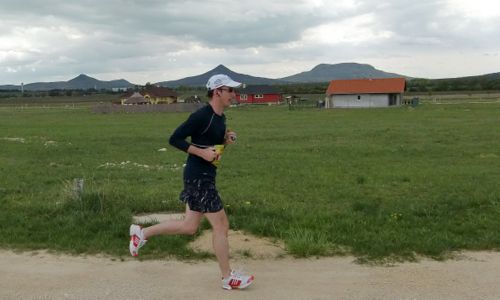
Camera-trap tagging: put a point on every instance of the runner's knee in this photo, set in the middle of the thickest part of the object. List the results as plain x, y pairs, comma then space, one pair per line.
190, 229
221, 228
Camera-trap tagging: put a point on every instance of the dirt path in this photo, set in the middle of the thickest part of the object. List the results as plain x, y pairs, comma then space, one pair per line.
47, 276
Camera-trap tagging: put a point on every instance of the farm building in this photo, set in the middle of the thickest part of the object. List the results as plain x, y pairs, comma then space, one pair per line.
153, 95
258, 94
193, 99
382, 92
135, 99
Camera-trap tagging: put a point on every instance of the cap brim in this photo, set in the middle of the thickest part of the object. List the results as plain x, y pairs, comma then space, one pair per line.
233, 84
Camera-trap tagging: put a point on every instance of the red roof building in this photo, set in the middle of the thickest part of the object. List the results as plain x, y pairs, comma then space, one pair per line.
382, 92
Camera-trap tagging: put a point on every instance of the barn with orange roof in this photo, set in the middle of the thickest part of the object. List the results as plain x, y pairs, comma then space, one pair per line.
353, 93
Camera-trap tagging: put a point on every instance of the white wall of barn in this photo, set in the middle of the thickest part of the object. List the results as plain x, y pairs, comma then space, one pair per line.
359, 100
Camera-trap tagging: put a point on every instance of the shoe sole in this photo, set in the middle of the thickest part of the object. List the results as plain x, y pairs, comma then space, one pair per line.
131, 251
240, 287
131, 244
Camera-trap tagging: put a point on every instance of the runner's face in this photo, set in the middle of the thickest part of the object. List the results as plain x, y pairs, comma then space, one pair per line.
227, 94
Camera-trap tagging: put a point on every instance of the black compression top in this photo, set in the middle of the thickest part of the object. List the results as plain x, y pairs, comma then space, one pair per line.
206, 128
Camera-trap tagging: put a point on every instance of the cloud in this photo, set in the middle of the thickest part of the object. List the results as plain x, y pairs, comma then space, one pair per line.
164, 40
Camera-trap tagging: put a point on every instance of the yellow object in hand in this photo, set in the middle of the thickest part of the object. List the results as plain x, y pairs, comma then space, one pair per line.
219, 149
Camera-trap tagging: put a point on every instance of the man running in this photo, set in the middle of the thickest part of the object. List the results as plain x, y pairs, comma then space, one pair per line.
207, 129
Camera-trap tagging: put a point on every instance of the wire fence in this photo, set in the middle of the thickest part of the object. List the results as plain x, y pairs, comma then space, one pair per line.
149, 108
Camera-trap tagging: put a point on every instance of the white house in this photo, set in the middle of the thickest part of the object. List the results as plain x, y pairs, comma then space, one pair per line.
352, 93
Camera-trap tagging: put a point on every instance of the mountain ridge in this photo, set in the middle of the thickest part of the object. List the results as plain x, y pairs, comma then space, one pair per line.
318, 74
201, 80
80, 82
328, 72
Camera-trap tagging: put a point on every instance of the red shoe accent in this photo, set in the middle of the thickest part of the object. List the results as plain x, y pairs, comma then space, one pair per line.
135, 239
234, 283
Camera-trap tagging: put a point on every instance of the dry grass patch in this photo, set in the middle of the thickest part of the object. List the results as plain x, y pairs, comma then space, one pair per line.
242, 245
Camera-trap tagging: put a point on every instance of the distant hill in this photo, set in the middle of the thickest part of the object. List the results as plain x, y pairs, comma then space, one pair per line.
487, 82
81, 82
491, 76
201, 80
327, 72
10, 87
321, 73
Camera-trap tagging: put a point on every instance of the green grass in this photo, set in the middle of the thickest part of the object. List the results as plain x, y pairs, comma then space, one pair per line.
376, 183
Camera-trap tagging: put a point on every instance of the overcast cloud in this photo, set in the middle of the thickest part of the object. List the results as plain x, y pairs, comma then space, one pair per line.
151, 41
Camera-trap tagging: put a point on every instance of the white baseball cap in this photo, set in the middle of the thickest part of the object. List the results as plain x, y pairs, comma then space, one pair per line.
219, 80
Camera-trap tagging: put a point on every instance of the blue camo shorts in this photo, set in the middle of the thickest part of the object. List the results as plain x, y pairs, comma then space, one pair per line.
201, 195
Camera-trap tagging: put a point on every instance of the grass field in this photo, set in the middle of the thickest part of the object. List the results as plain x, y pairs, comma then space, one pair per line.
376, 183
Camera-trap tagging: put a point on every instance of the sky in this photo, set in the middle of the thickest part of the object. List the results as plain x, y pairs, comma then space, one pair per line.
152, 41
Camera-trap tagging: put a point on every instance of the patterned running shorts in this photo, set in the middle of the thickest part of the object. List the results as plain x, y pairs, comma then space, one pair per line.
201, 195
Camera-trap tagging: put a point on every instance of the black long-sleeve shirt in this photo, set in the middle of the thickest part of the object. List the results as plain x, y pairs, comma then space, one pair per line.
206, 129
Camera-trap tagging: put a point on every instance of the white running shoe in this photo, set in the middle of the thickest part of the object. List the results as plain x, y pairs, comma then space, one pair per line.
237, 280
136, 239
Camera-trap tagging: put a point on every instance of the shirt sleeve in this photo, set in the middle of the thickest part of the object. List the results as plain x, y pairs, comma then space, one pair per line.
188, 128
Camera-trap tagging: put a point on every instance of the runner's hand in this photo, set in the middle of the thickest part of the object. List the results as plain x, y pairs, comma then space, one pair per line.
230, 137
207, 154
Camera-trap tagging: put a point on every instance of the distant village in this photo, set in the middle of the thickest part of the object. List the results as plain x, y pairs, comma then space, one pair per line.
382, 92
